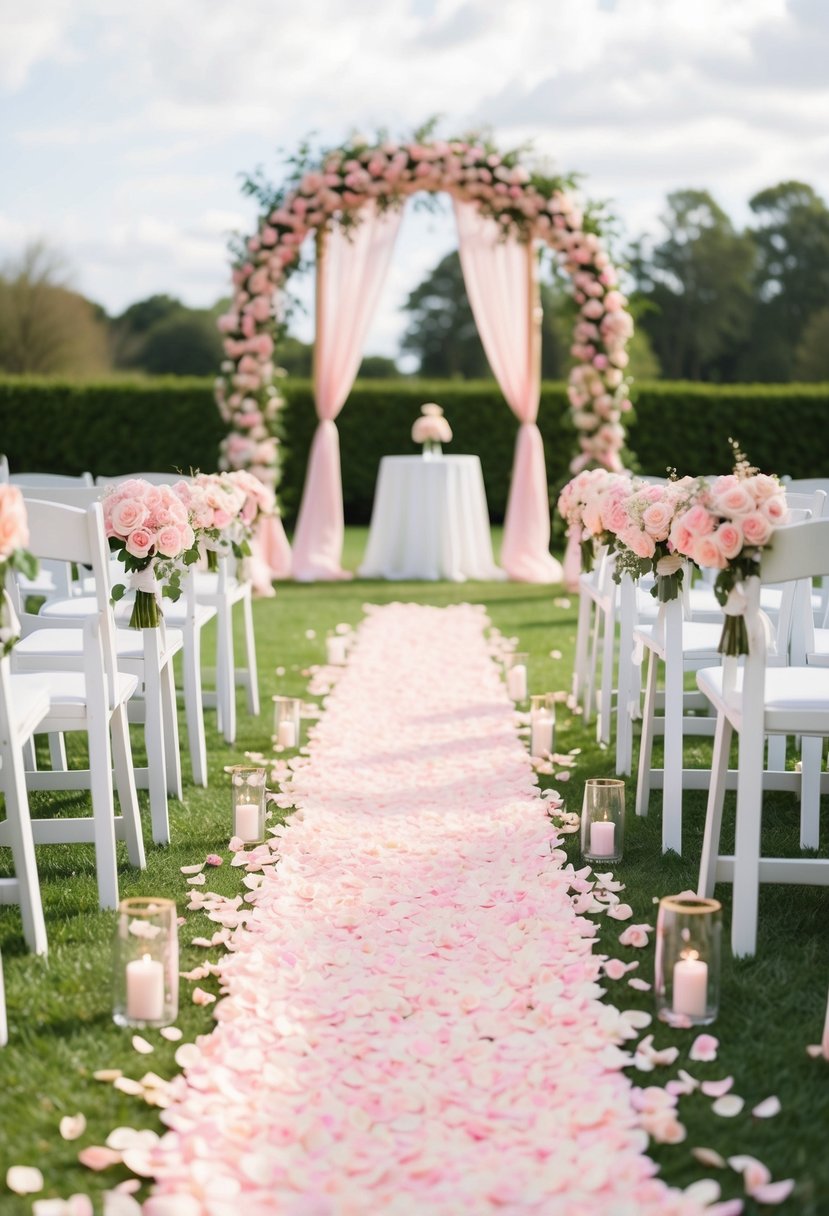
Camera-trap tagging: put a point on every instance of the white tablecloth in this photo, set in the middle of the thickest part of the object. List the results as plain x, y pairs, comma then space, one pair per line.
430, 521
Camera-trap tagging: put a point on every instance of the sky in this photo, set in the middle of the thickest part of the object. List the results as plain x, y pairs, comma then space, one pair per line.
126, 125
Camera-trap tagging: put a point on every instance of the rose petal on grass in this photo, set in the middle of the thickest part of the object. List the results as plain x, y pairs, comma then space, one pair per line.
72, 1127
198, 880
187, 1055
49, 1207
814, 1050
196, 869
716, 1089
121, 1203
768, 1108
639, 985
200, 997
173, 1205
107, 1074
709, 1157
141, 1045
24, 1179
729, 1207
128, 1086
705, 1191
213, 859
728, 1106
96, 1157
620, 912
774, 1192
704, 1048
171, 1033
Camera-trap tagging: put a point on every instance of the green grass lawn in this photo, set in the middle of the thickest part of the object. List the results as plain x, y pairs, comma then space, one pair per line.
61, 1028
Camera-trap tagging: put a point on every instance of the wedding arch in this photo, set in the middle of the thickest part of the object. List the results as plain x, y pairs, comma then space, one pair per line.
351, 199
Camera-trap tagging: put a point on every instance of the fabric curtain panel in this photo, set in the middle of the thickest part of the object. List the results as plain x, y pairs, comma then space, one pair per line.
270, 555
351, 270
501, 282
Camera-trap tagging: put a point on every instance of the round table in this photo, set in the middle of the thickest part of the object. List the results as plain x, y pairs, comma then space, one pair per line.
430, 521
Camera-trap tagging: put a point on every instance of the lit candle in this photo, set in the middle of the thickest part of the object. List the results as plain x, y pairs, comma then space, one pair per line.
286, 733
602, 837
541, 736
247, 821
517, 682
145, 990
690, 989
335, 650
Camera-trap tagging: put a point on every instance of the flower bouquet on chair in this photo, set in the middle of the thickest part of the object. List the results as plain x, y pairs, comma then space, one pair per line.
642, 523
582, 504
431, 430
149, 529
14, 536
726, 530
221, 508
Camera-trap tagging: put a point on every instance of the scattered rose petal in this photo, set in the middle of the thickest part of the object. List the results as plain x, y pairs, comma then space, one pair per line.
729, 1207
141, 1045
187, 1055
72, 1127
620, 912
171, 1033
197, 869
24, 1179
709, 1157
96, 1157
716, 1089
235, 844
213, 859
640, 985
706, 1191
200, 997
768, 1108
120, 1203
635, 935
728, 1107
128, 1086
198, 880
815, 1050
107, 1074
310, 634
774, 1192
704, 1048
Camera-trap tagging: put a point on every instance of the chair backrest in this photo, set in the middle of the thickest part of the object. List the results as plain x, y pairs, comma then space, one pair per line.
805, 485
77, 535
796, 551
155, 479
813, 501
4, 469
50, 479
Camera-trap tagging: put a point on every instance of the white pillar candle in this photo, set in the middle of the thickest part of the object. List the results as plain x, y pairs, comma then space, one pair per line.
602, 837
541, 735
247, 822
690, 986
286, 733
335, 650
145, 990
517, 682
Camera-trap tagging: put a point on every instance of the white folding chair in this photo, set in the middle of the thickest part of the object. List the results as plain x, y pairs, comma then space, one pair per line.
24, 703
756, 700
54, 580
92, 701
221, 591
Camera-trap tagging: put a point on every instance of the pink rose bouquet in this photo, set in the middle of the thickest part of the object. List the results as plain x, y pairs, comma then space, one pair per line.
149, 528
14, 536
431, 428
726, 530
586, 502
641, 523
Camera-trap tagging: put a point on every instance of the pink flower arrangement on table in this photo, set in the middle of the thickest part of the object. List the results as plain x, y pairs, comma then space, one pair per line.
431, 427
332, 188
14, 537
726, 530
585, 501
149, 529
641, 521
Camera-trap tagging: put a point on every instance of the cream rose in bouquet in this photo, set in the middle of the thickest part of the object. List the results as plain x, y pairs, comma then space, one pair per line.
149, 529
727, 530
14, 537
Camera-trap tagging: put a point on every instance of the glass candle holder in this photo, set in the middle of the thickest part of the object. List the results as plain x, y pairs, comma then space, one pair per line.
286, 721
145, 963
515, 672
687, 965
542, 724
247, 801
336, 649
603, 819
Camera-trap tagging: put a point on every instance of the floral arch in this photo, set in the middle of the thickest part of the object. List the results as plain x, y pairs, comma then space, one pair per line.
352, 199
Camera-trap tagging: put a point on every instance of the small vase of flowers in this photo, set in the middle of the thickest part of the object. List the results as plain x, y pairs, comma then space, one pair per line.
431, 430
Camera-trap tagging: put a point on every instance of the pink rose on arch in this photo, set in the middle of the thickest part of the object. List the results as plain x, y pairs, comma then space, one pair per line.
756, 528
139, 543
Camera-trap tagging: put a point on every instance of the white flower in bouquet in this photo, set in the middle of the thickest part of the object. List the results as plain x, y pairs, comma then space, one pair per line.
431, 426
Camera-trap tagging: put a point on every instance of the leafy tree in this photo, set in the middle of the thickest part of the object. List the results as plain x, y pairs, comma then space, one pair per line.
378, 367
295, 357
812, 355
45, 327
444, 337
185, 343
694, 288
791, 237
129, 331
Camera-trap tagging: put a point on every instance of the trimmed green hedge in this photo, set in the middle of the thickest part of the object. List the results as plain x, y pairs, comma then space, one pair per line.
171, 423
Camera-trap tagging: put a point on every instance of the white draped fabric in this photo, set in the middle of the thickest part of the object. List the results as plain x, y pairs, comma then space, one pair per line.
351, 270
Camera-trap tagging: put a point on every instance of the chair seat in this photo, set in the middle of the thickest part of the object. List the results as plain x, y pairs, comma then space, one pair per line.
67, 644
699, 639
31, 699
175, 613
207, 587
68, 696
796, 698
818, 656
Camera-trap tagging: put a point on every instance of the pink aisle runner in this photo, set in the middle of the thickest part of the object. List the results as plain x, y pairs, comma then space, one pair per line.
412, 1022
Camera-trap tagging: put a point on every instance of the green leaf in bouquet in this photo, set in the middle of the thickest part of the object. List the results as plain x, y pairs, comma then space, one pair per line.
117, 593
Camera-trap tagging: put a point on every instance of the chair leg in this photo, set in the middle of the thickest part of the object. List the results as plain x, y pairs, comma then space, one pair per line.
172, 747
589, 704
714, 809
643, 781
811, 758
194, 705
624, 684
747, 847
125, 785
582, 646
57, 753
19, 838
225, 675
672, 768
156, 762
103, 808
252, 681
603, 729
776, 753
